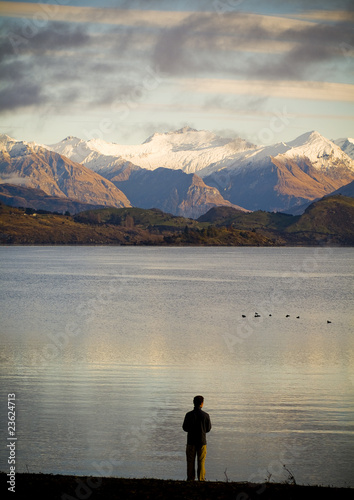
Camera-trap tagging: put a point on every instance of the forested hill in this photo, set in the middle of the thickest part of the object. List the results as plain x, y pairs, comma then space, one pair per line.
327, 221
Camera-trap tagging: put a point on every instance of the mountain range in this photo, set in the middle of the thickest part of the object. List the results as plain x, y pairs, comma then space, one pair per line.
279, 177
185, 172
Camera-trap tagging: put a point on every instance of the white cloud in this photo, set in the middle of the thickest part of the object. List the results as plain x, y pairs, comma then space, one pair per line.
19, 181
41, 12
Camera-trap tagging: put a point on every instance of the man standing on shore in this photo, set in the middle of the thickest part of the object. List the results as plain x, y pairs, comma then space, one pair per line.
197, 424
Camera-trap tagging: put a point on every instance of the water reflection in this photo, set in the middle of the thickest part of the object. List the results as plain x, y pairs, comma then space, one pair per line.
106, 348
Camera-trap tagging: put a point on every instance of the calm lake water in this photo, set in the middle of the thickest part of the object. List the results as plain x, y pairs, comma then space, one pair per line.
105, 348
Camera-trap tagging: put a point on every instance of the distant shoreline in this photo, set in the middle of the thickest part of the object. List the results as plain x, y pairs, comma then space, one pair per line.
67, 487
327, 222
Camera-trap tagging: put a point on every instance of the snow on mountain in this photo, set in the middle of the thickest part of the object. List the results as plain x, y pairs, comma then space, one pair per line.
15, 148
57, 174
203, 152
40, 168
273, 177
72, 147
187, 149
283, 175
322, 152
346, 145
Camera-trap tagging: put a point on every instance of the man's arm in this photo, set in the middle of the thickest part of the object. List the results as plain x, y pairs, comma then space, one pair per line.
208, 424
185, 425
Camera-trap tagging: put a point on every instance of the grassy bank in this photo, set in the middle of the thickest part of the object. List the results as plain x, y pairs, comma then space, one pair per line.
59, 487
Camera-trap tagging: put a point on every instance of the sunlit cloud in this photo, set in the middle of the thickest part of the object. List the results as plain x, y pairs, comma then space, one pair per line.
327, 15
324, 91
40, 13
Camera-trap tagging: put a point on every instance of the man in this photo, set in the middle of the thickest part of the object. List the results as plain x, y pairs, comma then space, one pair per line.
197, 424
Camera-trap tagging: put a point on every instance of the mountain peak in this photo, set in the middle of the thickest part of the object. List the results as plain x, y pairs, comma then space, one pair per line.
184, 130
152, 137
311, 140
72, 139
323, 153
69, 138
307, 137
15, 147
315, 136
4, 139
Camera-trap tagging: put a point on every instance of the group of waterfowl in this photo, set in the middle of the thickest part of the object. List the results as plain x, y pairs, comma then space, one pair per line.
257, 315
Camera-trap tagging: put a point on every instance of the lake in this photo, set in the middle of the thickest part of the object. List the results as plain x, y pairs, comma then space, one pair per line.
105, 348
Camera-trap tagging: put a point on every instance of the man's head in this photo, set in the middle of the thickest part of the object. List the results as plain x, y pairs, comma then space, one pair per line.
198, 401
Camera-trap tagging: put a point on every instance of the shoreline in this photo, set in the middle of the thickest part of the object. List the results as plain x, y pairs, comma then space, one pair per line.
69, 487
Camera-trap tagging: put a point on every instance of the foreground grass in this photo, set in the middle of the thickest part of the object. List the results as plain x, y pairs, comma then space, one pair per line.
60, 487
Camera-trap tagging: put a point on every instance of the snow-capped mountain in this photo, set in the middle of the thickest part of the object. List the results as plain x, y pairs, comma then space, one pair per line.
347, 145
273, 177
202, 152
316, 149
204, 169
285, 175
186, 149
30, 165
322, 152
176, 192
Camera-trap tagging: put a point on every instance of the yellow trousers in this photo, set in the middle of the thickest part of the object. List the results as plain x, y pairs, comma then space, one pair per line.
192, 452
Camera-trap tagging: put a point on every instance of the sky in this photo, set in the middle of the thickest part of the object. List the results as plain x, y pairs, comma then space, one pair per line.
121, 70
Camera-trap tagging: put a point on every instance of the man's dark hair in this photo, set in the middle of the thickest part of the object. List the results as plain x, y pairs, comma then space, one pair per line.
198, 400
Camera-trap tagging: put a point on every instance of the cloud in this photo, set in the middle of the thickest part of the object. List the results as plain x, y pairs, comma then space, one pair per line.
169, 54
66, 64
21, 95
313, 46
328, 15
38, 14
236, 104
303, 6
63, 56
325, 91
19, 181
16, 41
27, 64
236, 45
203, 41
147, 129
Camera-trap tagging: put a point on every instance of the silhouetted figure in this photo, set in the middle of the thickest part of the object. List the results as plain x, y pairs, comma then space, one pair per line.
197, 424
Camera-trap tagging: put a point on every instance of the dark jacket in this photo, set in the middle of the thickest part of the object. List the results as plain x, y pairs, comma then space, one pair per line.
197, 424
